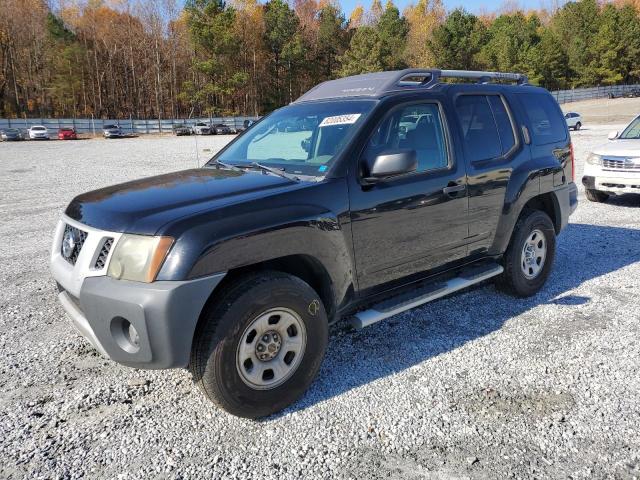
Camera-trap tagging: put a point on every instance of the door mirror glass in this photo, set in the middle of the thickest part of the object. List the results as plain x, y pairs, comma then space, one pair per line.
613, 135
392, 163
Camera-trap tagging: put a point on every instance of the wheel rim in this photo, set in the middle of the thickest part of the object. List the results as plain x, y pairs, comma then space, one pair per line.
534, 253
271, 348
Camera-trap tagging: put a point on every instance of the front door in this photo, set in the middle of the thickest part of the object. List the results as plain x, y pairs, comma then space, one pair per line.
415, 222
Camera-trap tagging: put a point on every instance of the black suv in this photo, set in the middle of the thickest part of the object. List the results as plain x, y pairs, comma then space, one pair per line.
394, 189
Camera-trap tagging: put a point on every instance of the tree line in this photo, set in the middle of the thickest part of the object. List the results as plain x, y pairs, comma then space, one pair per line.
154, 58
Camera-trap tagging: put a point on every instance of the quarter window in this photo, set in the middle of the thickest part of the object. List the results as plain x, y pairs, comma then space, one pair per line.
545, 118
416, 127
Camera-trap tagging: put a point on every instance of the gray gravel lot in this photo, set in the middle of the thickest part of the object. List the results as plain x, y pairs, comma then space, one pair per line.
478, 385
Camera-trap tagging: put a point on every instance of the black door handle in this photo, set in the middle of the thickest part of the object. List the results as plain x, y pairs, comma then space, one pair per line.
453, 189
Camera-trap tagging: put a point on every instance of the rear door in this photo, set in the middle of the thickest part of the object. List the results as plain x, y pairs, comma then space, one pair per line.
491, 146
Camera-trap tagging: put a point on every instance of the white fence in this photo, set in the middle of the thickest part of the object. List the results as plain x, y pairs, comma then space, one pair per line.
577, 94
132, 126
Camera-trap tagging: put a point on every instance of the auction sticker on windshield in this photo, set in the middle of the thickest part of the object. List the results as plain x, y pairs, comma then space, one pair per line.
347, 119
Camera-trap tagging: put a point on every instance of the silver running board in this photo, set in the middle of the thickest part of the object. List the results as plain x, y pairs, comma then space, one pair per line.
390, 308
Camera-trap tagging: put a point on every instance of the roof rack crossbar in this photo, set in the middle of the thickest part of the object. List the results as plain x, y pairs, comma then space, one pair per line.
433, 76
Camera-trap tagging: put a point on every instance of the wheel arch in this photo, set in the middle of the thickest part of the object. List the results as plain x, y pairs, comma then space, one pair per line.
549, 204
306, 267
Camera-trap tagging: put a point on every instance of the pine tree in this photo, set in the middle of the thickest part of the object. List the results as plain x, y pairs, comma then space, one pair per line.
457, 42
364, 54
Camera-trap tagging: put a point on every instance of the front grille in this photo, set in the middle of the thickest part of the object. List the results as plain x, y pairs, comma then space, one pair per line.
620, 164
72, 241
101, 261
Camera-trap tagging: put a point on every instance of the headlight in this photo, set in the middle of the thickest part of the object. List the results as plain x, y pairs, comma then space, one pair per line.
138, 257
594, 159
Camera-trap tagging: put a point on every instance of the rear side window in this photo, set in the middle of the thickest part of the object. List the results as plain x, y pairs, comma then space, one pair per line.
545, 118
503, 121
486, 126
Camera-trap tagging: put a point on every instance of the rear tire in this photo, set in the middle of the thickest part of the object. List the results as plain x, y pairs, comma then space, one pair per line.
596, 196
260, 345
577, 127
529, 257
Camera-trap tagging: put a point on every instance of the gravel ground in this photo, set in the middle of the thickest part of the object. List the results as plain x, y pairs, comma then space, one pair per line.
478, 385
599, 111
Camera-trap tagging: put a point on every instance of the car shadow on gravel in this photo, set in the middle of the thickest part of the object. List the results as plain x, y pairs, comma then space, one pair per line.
630, 200
356, 358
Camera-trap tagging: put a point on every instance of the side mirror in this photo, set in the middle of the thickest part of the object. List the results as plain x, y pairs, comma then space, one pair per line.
613, 135
392, 163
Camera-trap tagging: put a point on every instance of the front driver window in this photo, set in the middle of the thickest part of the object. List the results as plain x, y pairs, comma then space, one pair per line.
415, 127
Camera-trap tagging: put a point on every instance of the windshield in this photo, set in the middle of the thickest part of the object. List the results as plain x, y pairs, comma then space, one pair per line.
632, 132
300, 139
38, 128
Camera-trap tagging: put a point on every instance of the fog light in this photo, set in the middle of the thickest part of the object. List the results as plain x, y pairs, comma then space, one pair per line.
125, 334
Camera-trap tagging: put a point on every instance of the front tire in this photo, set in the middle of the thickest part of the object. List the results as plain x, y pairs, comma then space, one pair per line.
260, 345
596, 196
577, 127
529, 257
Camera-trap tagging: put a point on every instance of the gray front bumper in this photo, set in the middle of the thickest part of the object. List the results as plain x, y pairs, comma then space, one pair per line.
164, 314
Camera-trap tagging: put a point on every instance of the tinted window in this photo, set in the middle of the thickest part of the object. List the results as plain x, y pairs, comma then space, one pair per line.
503, 122
479, 130
547, 124
416, 127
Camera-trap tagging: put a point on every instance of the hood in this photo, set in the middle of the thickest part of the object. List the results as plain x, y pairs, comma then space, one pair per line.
143, 206
619, 148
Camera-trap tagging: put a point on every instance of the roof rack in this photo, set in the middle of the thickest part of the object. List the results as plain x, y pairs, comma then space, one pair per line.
379, 83
431, 77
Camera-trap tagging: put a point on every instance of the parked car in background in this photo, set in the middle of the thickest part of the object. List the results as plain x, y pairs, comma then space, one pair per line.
245, 125
614, 168
221, 129
181, 129
633, 93
67, 133
10, 134
38, 132
201, 128
574, 120
112, 131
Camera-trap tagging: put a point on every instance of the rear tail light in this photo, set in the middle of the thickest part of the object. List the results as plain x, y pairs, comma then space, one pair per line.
573, 163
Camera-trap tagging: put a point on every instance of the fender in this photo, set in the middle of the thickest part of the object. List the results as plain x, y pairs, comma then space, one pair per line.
311, 221
524, 185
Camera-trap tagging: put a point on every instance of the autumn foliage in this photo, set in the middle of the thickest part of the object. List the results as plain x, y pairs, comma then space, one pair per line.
173, 58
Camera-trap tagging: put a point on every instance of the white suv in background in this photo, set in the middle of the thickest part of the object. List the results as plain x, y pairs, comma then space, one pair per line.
574, 120
614, 168
38, 132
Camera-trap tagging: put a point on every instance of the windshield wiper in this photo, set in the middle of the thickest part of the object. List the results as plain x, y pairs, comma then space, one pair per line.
276, 171
227, 165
